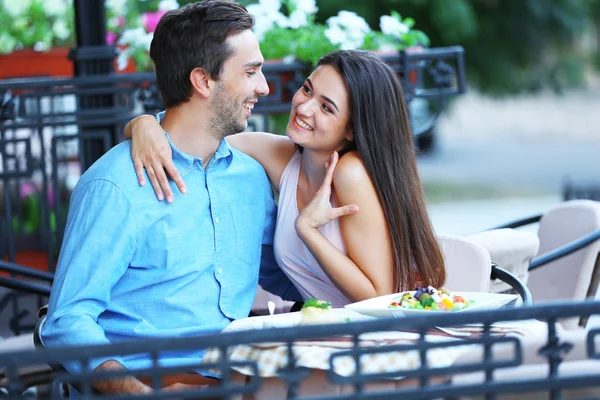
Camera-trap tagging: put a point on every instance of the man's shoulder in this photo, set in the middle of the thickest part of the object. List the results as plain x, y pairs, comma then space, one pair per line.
247, 162
114, 166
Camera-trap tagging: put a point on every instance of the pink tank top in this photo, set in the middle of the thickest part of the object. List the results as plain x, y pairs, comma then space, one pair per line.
292, 255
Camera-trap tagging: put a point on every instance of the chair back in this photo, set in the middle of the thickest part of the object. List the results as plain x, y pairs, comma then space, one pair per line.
468, 264
568, 277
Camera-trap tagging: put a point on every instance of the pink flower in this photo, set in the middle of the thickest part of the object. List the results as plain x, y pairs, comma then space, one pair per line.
150, 19
111, 37
27, 189
119, 22
51, 197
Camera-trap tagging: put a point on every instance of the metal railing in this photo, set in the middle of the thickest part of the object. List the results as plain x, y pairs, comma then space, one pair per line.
479, 370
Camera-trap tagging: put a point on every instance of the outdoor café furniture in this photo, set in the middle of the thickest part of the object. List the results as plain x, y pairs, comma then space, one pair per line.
566, 266
570, 277
510, 249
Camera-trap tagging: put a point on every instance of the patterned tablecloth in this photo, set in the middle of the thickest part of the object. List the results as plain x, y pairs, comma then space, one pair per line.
271, 357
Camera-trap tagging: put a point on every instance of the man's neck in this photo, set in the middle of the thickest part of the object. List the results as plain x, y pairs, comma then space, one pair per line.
189, 131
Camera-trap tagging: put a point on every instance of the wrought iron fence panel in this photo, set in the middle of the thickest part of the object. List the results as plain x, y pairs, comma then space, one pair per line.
421, 381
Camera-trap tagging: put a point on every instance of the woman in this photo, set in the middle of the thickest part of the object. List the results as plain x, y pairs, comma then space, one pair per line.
353, 104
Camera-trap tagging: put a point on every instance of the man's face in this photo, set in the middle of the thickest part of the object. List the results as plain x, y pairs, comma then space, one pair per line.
240, 85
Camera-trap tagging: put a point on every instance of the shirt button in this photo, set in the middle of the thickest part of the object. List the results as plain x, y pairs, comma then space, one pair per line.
219, 271
216, 220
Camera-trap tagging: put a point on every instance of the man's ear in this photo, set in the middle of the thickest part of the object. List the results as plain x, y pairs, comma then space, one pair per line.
200, 81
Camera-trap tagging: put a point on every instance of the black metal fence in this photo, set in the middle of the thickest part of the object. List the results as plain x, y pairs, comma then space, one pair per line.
489, 363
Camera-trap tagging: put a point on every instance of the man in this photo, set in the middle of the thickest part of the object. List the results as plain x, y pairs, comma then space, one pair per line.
131, 267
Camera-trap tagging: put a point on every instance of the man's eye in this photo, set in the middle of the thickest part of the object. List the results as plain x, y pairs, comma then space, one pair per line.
250, 73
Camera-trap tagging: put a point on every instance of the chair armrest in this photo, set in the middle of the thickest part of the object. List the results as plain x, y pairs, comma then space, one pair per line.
520, 222
514, 282
565, 250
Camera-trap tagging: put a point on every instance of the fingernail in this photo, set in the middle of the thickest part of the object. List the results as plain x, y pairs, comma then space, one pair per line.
327, 164
184, 190
142, 182
169, 199
160, 197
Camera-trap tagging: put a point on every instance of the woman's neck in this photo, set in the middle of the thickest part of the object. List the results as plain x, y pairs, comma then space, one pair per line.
312, 167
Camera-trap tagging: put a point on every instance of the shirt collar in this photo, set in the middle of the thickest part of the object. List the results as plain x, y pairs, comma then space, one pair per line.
184, 162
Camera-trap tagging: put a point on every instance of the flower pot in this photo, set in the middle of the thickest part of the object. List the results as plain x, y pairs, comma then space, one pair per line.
31, 63
283, 78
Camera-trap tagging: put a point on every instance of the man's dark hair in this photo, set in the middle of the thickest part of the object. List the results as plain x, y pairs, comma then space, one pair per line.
194, 36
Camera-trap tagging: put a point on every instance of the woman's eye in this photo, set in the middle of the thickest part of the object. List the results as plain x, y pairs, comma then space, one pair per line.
305, 89
250, 73
326, 108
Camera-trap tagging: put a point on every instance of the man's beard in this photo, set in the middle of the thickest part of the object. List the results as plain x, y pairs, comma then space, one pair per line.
226, 114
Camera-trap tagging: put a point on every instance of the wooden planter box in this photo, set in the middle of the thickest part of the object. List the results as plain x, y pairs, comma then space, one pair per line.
30, 63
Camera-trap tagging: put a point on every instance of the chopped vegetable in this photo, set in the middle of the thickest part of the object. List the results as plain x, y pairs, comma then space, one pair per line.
430, 298
316, 304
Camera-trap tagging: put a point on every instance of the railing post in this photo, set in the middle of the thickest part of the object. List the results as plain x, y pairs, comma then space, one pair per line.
93, 56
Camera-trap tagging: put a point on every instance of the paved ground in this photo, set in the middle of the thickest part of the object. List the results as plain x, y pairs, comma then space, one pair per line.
530, 143
500, 159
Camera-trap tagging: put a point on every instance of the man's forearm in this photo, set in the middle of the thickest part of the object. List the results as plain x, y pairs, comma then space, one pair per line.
121, 385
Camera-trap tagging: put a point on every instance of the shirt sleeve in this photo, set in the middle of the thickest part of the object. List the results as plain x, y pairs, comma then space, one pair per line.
271, 277
98, 246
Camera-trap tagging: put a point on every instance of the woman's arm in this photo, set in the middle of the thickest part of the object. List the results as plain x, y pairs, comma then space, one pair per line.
272, 151
150, 150
367, 270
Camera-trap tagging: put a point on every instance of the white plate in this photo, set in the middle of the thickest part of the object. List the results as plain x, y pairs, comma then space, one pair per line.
287, 320
378, 306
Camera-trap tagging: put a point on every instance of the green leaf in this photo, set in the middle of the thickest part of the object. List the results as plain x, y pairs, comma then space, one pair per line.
316, 304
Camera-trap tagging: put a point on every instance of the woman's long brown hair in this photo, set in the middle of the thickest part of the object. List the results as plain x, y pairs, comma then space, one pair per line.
382, 136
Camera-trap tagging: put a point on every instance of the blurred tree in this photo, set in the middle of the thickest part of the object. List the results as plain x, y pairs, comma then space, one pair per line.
511, 46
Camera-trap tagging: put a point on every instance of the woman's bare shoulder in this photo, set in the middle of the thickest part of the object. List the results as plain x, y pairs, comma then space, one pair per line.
350, 172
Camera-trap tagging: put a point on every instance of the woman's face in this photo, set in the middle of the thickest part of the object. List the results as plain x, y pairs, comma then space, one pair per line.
320, 112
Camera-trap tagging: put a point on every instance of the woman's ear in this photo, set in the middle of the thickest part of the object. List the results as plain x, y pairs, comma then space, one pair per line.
200, 82
349, 135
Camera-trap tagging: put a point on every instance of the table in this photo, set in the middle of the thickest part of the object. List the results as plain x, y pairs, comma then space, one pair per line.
315, 355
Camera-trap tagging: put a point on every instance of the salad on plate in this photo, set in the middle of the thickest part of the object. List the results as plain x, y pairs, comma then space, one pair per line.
432, 299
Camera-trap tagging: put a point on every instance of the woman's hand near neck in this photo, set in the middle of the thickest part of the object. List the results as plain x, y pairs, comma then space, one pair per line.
312, 171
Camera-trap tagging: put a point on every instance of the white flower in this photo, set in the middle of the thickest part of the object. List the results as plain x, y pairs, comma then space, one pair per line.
55, 7
273, 5
306, 6
347, 29
297, 19
137, 37
122, 59
16, 8
335, 34
166, 5
40, 46
119, 7
60, 29
266, 15
391, 26
7, 43
146, 40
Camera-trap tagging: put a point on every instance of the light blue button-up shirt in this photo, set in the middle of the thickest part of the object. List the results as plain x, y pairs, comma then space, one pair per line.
132, 267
